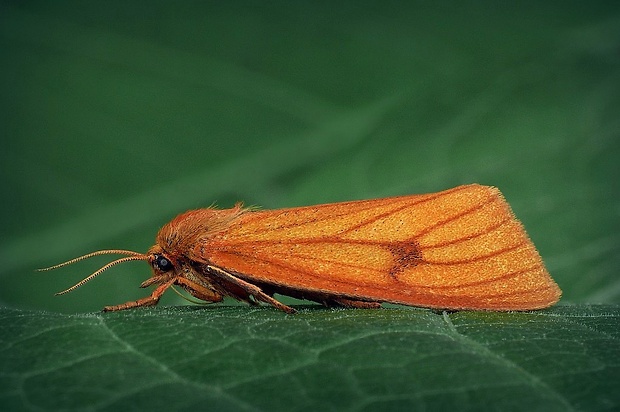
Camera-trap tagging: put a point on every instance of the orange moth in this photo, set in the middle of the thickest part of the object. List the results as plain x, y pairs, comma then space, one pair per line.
461, 248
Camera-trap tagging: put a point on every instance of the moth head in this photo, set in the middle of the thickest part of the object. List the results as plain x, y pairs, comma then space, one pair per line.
162, 262
164, 266
169, 266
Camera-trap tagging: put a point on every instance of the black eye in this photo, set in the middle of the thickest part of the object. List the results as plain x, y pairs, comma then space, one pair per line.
162, 263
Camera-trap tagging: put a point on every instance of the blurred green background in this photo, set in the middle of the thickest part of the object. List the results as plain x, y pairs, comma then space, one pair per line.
116, 116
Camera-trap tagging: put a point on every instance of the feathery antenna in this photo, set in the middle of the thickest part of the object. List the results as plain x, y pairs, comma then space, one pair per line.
131, 256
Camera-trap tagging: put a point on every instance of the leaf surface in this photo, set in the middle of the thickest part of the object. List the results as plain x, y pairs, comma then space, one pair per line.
236, 358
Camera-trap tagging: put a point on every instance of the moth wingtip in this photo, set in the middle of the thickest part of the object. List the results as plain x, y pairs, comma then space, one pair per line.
479, 187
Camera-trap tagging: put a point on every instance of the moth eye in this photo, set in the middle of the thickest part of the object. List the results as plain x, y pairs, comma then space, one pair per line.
162, 263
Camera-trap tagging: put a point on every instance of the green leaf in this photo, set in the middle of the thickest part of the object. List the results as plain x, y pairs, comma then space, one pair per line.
239, 358
117, 117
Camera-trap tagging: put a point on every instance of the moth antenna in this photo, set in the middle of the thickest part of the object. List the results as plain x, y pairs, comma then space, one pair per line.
89, 255
103, 269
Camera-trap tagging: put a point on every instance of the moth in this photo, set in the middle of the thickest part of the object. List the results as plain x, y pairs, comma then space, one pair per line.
458, 249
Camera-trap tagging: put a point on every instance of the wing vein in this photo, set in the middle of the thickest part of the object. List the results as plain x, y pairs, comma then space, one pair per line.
480, 257
486, 231
455, 217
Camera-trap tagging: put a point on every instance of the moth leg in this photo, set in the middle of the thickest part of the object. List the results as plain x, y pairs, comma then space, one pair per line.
352, 303
153, 280
251, 289
147, 301
199, 291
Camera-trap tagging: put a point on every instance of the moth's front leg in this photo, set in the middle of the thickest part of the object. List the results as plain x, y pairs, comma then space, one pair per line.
199, 291
250, 289
147, 301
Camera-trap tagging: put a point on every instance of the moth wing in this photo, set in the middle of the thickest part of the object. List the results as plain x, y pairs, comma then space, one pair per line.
460, 249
